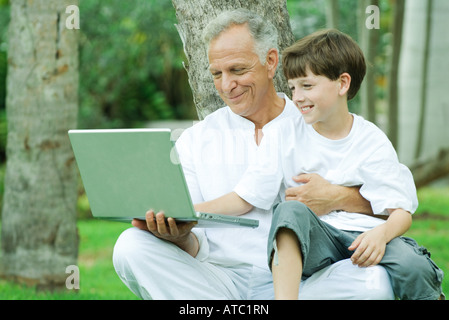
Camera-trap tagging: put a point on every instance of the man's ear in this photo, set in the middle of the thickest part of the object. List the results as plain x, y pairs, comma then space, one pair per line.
272, 62
345, 83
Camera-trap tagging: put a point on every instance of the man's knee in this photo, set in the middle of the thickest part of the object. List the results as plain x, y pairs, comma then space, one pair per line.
377, 285
345, 281
130, 245
124, 248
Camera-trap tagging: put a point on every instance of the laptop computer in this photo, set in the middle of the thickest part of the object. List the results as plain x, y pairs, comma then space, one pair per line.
126, 172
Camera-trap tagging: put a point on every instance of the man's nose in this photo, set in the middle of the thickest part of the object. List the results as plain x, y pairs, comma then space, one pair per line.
228, 82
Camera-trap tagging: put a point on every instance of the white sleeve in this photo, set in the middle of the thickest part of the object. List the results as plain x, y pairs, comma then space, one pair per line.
261, 182
388, 184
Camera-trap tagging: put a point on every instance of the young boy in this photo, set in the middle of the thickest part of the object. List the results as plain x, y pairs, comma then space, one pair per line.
324, 71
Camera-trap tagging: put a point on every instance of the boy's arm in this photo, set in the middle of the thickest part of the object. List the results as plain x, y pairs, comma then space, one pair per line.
398, 223
230, 204
323, 197
370, 246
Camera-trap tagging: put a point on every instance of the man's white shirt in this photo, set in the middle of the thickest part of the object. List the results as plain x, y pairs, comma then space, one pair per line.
215, 153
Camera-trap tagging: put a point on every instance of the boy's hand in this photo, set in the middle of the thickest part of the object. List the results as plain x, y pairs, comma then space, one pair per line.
369, 247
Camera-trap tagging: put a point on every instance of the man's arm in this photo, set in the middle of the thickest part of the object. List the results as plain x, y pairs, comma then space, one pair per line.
230, 204
323, 197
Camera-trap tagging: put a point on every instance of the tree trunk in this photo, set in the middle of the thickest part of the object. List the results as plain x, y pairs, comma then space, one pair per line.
425, 172
435, 135
332, 14
39, 235
193, 16
368, 39
393, 113
425, 72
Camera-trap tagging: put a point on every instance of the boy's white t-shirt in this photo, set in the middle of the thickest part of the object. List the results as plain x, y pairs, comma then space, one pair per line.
364, 158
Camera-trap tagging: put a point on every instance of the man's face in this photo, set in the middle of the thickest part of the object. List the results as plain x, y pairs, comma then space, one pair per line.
239, 77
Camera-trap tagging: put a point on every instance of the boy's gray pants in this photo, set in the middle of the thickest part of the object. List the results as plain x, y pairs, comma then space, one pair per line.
414, 276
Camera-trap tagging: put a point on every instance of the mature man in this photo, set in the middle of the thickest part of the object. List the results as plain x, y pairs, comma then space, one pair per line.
159, 259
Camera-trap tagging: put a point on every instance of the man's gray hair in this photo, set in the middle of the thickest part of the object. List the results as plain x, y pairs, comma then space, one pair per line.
263, 32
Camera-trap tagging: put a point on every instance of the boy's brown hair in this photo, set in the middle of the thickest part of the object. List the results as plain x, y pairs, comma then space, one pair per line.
326, 53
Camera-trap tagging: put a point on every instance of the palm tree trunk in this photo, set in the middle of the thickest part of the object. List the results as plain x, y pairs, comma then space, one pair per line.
39, 235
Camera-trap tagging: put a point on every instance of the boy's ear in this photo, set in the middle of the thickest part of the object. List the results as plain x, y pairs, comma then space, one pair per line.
272, 62
345, 83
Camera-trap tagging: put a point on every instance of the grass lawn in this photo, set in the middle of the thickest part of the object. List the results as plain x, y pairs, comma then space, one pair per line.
98, 280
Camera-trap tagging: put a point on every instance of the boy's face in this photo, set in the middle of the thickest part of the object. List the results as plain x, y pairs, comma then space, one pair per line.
317, 97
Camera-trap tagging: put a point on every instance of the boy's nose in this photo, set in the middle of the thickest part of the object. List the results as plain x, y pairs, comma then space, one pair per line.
298, 97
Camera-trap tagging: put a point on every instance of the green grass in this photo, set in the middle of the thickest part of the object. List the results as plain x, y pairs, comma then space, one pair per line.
434, 201
98, 280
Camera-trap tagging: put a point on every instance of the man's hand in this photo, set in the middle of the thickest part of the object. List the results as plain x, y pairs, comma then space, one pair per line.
322, 197
316, 193
180, 234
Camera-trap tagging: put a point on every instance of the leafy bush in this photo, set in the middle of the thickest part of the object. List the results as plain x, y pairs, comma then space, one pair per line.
130, 59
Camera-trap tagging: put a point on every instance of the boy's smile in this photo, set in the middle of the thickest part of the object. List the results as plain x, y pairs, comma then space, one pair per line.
306, 109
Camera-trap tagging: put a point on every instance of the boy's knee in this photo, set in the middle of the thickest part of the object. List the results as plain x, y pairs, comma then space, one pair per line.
293, 215
292, 211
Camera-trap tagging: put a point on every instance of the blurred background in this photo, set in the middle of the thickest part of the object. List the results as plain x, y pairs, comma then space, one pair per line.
131, 75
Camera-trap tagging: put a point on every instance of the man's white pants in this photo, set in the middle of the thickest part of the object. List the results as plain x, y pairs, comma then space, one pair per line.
156, 269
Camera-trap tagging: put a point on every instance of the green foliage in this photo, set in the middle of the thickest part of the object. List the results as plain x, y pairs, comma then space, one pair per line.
130, 64
130, 61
